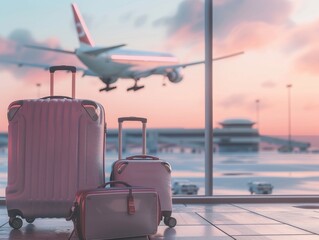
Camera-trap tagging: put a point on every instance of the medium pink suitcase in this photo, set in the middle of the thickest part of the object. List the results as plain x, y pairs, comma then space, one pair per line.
55, 148
147, 171
116, 212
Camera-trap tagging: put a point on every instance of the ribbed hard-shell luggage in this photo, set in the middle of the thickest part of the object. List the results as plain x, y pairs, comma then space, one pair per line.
116, 212
145, 170
55, 148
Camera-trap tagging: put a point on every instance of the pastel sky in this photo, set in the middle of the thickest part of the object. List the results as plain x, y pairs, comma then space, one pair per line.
279, 37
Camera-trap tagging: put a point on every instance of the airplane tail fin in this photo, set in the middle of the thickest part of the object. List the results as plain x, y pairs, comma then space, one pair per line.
83, 33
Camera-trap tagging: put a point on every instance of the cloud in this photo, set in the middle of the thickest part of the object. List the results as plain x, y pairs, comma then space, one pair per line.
235, 100
248, 35
126, 17
237, 24
243, 103
312, 106
232, 13
301, 36
12, 49
268, 84
190, 13
302, 46
141, 21
130, 17
186, 26
307, 62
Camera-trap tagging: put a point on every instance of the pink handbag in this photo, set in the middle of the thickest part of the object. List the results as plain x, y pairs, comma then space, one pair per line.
116, 212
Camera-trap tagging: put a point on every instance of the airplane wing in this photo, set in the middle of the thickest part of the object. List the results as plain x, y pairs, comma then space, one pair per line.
165, 69
49, 49
86, 72
92, 51
201, 62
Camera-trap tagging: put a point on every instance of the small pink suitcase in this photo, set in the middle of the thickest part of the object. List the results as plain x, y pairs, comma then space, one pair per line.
147, 171
116, 212
55, 148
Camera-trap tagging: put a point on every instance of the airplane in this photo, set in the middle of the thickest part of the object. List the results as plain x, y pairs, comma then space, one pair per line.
114, 62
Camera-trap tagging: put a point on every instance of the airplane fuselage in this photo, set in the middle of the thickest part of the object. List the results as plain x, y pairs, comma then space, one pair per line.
123, 63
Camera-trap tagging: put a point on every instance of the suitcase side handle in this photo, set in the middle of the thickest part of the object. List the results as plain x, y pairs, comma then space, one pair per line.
52, 69
144, 157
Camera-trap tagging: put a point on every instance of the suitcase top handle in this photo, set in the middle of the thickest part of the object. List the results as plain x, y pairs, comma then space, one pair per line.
115, 182
144, 157
62, 67
132, 119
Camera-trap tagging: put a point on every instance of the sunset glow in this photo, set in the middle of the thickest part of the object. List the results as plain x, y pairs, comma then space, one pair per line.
279, 38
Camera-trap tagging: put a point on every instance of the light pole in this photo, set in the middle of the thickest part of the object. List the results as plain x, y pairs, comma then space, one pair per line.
38, 87
289, 118
257, 114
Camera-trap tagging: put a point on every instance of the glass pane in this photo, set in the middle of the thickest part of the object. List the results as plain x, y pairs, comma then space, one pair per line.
264, 101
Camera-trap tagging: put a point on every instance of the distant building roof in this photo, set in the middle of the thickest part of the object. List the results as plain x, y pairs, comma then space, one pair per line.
237, 122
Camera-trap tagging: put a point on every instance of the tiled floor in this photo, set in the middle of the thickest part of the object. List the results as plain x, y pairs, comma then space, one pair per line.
211, 221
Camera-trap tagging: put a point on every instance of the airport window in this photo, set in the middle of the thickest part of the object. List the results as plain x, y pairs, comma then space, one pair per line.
264, 93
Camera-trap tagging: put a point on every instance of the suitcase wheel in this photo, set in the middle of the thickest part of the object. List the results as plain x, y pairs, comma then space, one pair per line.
170, 221
30, 220
15, 222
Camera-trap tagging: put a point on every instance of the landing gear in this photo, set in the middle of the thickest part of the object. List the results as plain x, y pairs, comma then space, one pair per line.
135, 87
107, 88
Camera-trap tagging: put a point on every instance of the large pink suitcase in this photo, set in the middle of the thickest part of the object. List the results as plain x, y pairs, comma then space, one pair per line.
55, 148
145, 170
116, 212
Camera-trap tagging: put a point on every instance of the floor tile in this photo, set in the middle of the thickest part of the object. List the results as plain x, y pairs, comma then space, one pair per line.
279, 237
189, 219
214, 208
201, 222
276, 207
186, 232
236, 218
40, 229
254, 229
303, 220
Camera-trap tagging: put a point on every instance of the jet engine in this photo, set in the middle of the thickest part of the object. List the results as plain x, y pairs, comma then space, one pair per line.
175, 75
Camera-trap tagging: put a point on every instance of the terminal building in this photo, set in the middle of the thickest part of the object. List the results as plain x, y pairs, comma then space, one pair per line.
236, 135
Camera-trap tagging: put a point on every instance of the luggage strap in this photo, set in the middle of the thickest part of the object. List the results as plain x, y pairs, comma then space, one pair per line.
73, 217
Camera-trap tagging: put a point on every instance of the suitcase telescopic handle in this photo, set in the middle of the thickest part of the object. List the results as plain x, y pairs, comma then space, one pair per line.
132, 119
52, 69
